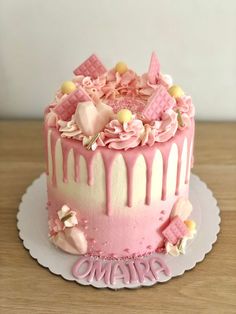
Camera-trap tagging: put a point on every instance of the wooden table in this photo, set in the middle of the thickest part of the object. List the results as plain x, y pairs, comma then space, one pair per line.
26, 287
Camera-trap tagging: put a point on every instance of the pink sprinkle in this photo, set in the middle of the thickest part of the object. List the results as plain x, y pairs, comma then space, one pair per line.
92, 241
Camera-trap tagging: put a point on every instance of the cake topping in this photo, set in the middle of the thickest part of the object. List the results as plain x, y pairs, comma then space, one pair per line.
67, 216
191, 224
121, 68
68, 87
124, 115
158, 103
92, 67
92, 141
101, 101
176, 91
154, 69
68, 105
92, 119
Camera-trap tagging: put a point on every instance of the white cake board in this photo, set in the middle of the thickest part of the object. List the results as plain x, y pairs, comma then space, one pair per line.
33, 230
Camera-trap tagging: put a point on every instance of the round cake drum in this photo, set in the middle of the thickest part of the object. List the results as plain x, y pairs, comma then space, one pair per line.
116, 274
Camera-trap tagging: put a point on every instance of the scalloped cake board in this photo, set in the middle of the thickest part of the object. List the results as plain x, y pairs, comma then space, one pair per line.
35, 236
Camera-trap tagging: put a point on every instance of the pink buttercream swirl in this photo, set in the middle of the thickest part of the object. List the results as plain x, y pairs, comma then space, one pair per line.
118, 135
186, 108
131, 91
161, 130
70, 129
123, 135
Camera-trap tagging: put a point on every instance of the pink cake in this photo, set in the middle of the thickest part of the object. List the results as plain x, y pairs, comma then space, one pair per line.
119, 151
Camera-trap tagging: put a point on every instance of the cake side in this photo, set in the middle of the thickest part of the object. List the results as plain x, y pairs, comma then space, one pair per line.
119, 151
123, 199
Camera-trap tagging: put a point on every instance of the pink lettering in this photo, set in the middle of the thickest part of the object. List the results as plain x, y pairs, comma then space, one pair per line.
82, 267
132, 271
100, 270
143, 269
157, 265
111, 271
120, 271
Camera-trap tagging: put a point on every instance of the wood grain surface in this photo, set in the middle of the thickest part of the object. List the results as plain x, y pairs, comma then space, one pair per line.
26, 287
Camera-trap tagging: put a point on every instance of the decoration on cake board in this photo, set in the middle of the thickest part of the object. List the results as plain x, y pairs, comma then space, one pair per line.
117, 274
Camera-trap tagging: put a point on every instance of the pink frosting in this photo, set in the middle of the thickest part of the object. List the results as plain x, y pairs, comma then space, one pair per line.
70, 129
127, 135
163, 130
131, 91
186, 108
123, 136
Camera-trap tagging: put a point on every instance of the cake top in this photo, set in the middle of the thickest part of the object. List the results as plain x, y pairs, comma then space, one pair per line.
118, 108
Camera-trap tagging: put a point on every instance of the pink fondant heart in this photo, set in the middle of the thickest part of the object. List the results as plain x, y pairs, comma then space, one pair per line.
92, 119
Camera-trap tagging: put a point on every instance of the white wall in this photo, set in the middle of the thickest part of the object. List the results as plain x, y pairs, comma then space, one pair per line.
42, 41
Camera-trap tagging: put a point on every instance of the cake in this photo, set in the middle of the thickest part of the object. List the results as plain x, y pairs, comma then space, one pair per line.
119, 149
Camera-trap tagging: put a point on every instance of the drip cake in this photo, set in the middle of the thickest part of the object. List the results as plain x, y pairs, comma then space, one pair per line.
119, 150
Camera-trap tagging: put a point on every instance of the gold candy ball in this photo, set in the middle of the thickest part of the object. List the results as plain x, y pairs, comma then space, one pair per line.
175, 91
124, 115
68, 87
121, 67
191, 225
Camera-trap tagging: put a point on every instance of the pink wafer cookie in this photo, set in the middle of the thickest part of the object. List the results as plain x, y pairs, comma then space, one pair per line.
68, 106
154, 69
159, 101
92, 67
175, 231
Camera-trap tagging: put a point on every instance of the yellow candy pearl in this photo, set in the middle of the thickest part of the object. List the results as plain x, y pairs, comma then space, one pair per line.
175, 91
121, 67
191, 225
68, 87
124, 115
